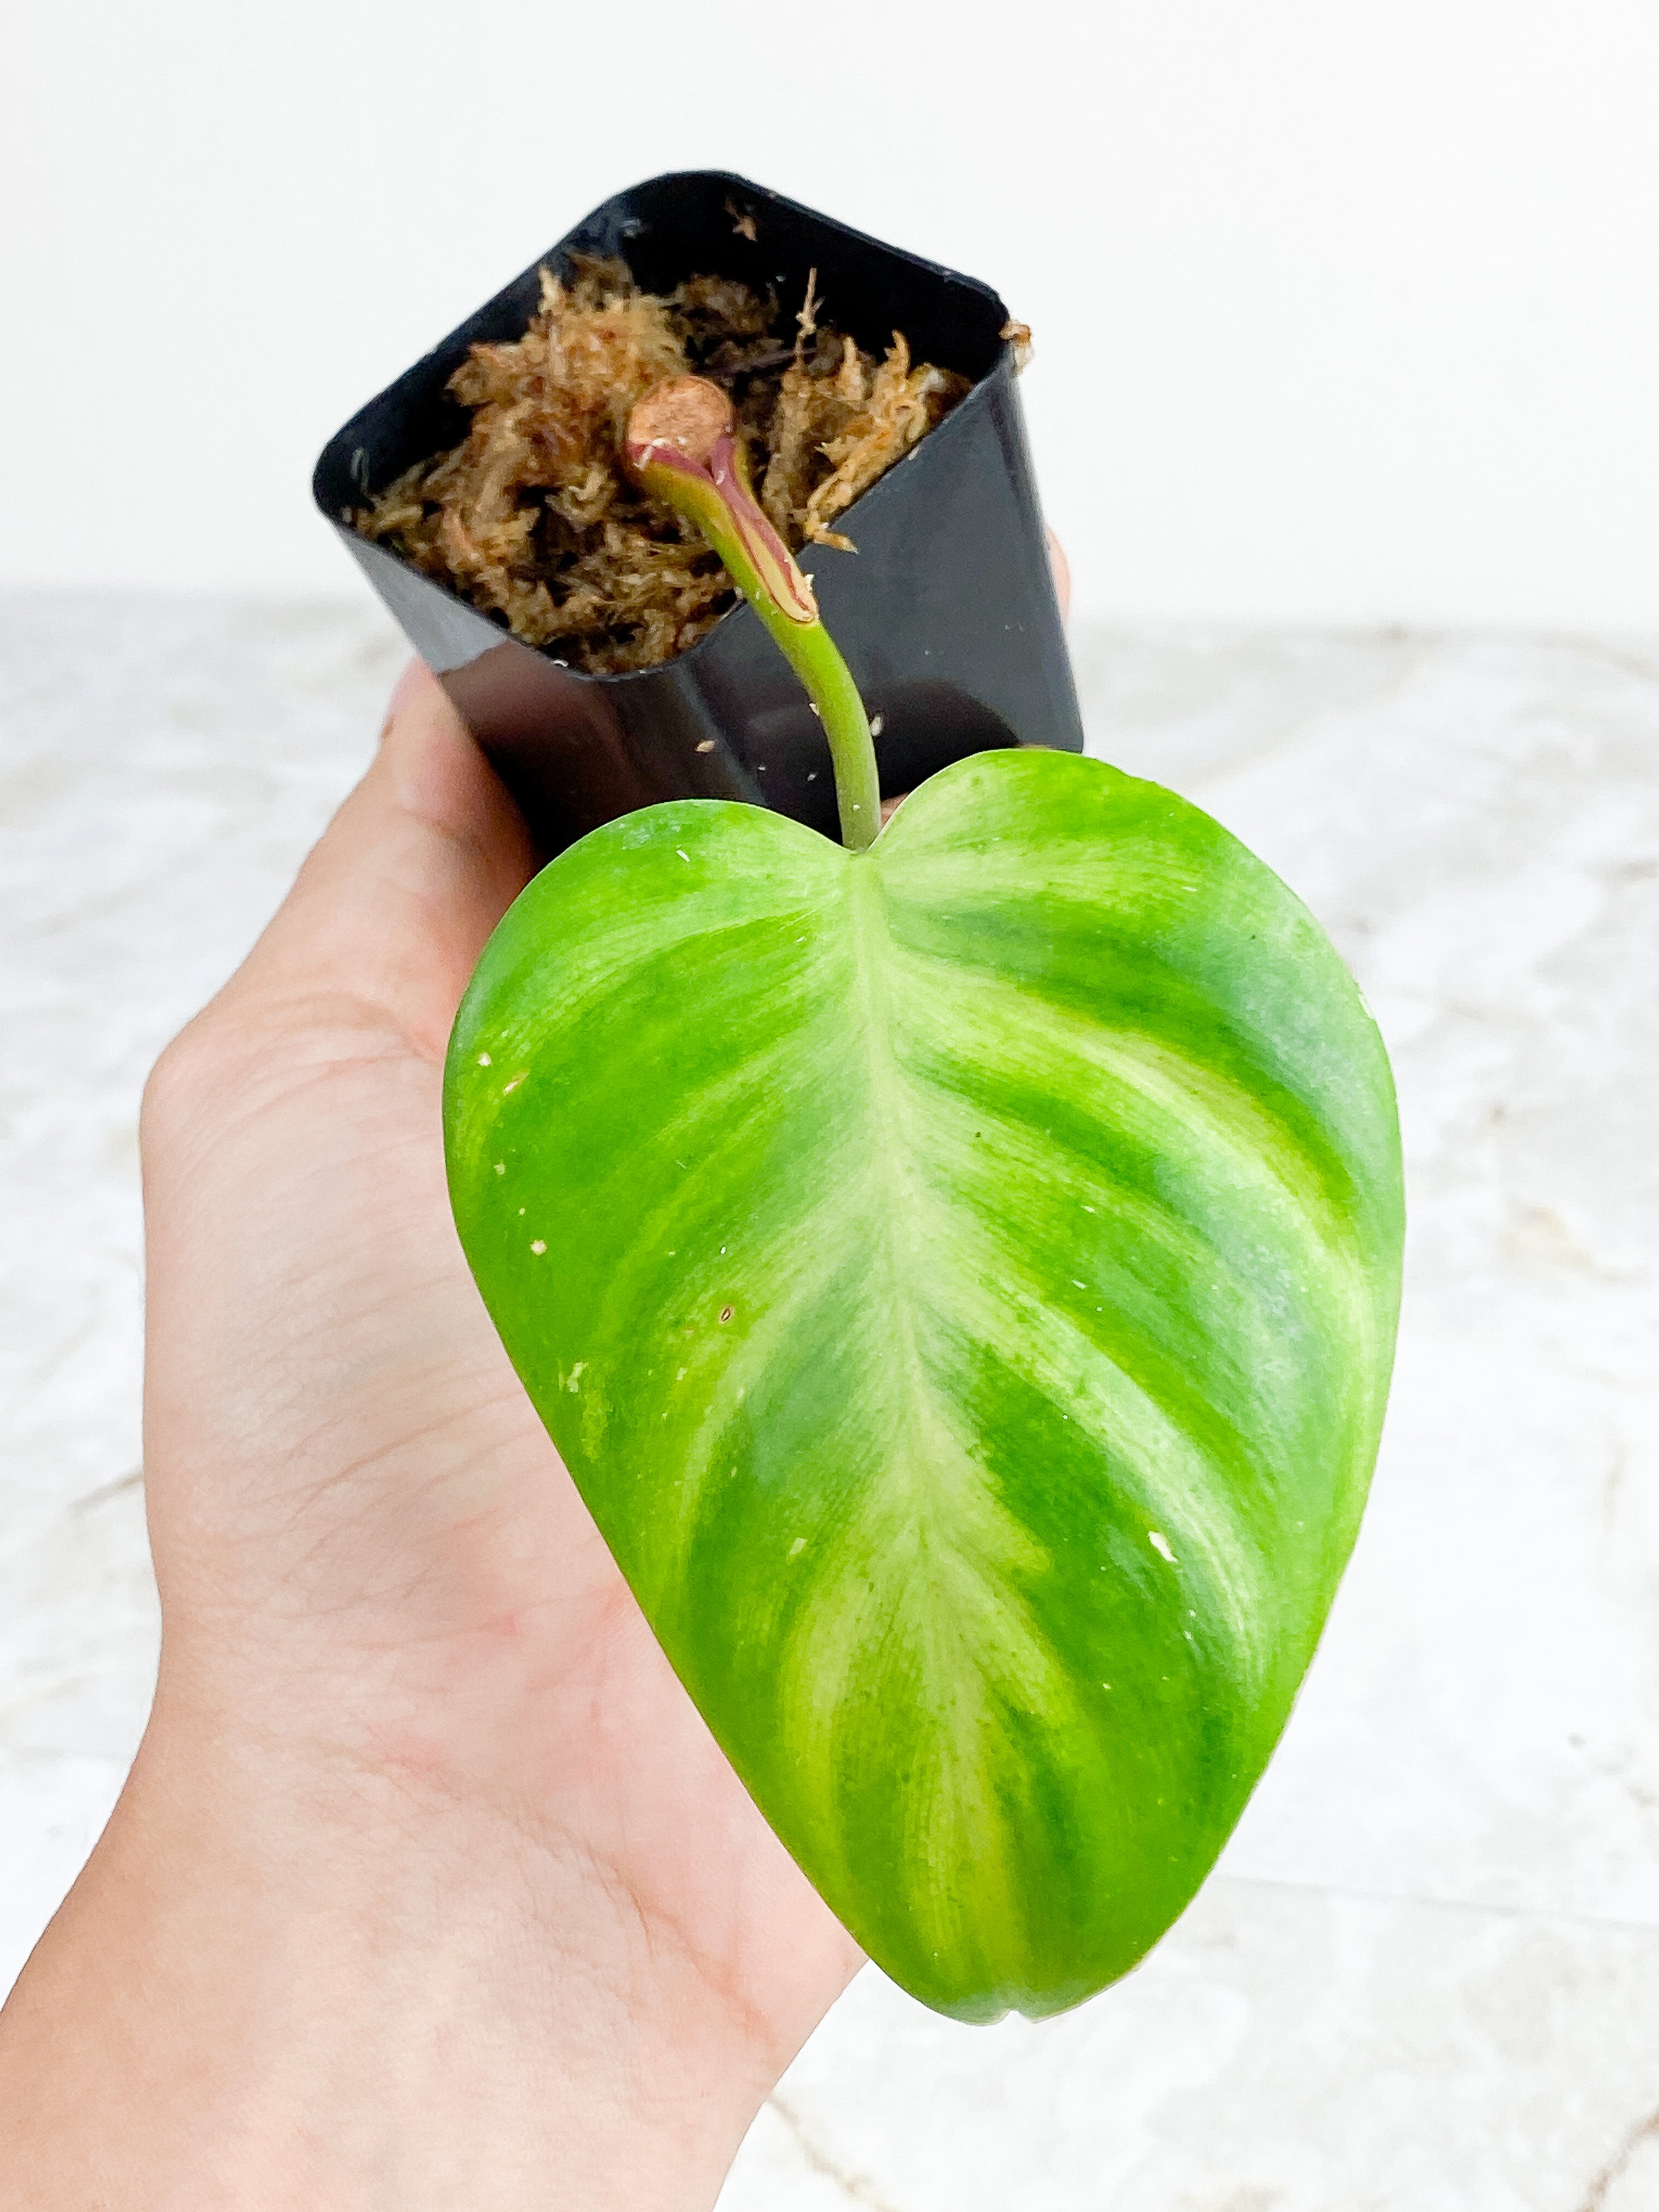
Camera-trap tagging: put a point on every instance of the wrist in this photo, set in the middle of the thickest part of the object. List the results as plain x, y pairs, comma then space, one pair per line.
303, 1983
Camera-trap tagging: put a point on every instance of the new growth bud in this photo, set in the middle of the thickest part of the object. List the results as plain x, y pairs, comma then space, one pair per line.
684, 434
682, 443
686, 417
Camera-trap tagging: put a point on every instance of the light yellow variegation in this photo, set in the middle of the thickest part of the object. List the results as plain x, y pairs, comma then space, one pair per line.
961, 1277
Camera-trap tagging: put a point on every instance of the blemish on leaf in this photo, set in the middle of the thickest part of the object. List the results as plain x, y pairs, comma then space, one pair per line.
512, 1084
538, 1246
798, 1547
686, 857
726, 1313
484, 1060
500, 1167
1160, 1545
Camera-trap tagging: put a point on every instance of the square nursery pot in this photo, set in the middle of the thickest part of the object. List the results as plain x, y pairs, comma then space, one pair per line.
947, 613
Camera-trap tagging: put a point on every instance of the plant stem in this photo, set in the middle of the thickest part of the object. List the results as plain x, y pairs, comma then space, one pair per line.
681, 444
816, 659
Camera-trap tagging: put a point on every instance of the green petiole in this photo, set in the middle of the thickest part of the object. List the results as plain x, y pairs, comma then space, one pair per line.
681, 444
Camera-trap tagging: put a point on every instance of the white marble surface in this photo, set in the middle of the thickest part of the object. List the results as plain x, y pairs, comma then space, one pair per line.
1426, 1974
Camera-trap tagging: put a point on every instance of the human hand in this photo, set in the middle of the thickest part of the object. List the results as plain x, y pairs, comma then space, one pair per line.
430, 1886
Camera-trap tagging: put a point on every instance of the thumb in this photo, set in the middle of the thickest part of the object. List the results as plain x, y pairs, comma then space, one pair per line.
394, 904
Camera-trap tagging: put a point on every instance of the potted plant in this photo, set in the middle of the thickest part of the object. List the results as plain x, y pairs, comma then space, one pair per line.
959, 1266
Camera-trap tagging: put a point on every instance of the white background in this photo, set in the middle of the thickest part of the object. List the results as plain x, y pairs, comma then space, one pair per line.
1346, 312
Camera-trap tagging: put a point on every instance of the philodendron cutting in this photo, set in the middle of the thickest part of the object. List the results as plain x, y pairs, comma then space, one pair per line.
959, 1269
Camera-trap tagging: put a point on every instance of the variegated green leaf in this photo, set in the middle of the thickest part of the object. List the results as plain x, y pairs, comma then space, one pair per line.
961, 1277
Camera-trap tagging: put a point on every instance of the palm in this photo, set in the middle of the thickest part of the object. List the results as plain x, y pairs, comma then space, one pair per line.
354, 1506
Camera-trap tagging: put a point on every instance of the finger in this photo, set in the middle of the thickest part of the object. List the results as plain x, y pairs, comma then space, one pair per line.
1062, 568
394, 904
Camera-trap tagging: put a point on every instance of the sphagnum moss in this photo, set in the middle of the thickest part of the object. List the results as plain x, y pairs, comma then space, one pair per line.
533, 515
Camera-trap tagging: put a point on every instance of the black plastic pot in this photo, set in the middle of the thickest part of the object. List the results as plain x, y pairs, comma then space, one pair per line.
946, 614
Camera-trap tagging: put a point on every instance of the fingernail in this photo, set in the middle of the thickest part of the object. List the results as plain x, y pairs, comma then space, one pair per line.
414, 675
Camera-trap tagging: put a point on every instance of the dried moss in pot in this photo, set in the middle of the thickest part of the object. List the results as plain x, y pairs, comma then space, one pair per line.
533, 515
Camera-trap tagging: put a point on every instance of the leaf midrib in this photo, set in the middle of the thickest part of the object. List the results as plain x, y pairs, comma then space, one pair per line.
891, 1185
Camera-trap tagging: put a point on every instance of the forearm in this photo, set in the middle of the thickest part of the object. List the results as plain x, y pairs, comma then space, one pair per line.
254, 1998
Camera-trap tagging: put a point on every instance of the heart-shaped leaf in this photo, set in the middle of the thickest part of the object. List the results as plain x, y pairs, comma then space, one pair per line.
961, 1277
